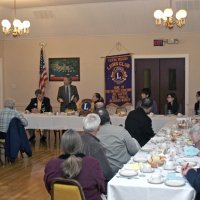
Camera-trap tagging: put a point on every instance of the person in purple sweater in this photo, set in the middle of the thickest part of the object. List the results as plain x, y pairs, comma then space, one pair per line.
75, 165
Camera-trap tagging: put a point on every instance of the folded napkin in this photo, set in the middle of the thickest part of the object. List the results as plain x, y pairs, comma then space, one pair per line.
174, 176
190, 151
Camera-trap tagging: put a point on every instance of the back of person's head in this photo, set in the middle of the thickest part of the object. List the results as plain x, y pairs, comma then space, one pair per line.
91, 122
71, 145
99, 97
146, 103
9, 103
146, 91
195, 132
37, 92
198, 93
104, 115
195, 129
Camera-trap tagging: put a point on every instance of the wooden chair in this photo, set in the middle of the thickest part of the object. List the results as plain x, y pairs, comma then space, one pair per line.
66, 189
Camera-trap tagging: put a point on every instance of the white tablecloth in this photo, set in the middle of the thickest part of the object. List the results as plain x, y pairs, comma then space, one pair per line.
120, 188
140, 189
52, 122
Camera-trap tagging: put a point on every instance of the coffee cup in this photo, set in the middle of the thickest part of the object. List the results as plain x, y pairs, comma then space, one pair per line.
146, 168
169, 165
156, 177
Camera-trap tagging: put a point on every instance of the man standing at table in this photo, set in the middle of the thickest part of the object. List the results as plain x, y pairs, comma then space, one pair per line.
67, 95
138, 124
39, 104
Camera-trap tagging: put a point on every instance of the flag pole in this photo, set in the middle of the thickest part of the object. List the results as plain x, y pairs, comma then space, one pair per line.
43, 72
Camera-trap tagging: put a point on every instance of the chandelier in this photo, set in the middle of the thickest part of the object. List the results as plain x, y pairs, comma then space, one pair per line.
166, 18
18, 28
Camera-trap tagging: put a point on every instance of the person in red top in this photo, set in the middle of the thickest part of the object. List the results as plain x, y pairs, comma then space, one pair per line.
75, 165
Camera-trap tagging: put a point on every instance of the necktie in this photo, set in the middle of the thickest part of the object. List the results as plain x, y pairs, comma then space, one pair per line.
39, 105
67, 93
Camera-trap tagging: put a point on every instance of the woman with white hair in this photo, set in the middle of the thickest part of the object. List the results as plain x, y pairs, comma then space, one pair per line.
7, 114
193, 175
75, 165
92, 145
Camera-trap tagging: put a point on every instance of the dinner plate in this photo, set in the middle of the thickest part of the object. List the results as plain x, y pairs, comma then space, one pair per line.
128, 173
175, 183
147, 170
140, 159
155, 181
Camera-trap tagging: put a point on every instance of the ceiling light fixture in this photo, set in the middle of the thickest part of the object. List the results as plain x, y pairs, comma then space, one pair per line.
18, 28
166, 18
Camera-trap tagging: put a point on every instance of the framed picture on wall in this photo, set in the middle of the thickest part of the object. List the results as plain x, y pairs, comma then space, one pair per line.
62, 67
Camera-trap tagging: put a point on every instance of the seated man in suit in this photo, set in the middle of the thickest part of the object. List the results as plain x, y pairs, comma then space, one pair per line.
7, 114
138, 124
67, 95
39, 104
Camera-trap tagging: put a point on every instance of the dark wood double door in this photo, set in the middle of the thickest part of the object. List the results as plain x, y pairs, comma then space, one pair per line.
161, 75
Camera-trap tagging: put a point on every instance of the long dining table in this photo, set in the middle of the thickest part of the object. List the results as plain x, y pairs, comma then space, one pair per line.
58, 121
141, 186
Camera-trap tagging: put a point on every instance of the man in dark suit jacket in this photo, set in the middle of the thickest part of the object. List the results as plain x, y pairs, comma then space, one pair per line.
138, 124
67, 95
39, 104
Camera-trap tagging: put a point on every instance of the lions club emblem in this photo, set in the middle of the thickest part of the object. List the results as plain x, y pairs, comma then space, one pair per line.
118, 75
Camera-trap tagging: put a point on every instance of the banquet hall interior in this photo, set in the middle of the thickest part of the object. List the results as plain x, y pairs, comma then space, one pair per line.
89, 30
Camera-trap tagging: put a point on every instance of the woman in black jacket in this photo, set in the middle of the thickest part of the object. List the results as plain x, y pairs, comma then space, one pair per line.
172, 106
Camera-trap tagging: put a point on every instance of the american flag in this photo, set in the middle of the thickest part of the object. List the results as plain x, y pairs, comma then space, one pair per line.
43, 72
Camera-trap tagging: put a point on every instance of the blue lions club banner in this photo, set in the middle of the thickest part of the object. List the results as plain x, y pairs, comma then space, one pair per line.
118, 80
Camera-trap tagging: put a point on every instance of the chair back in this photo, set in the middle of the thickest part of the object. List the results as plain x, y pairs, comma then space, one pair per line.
66, 189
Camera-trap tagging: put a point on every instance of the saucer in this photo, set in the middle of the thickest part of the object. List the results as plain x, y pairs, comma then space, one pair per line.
155, 181
140, 159
190, 163
175, 183
147, 148
128, 173
169, 167
147, 170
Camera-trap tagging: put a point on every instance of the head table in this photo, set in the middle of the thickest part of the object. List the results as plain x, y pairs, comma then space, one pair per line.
138, 187
62, 121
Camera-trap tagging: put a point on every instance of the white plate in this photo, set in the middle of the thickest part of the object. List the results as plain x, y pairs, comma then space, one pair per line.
148, 170
128, 173
169, 167
147, 148
140, 159
154, 181
175, 183
191, 163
